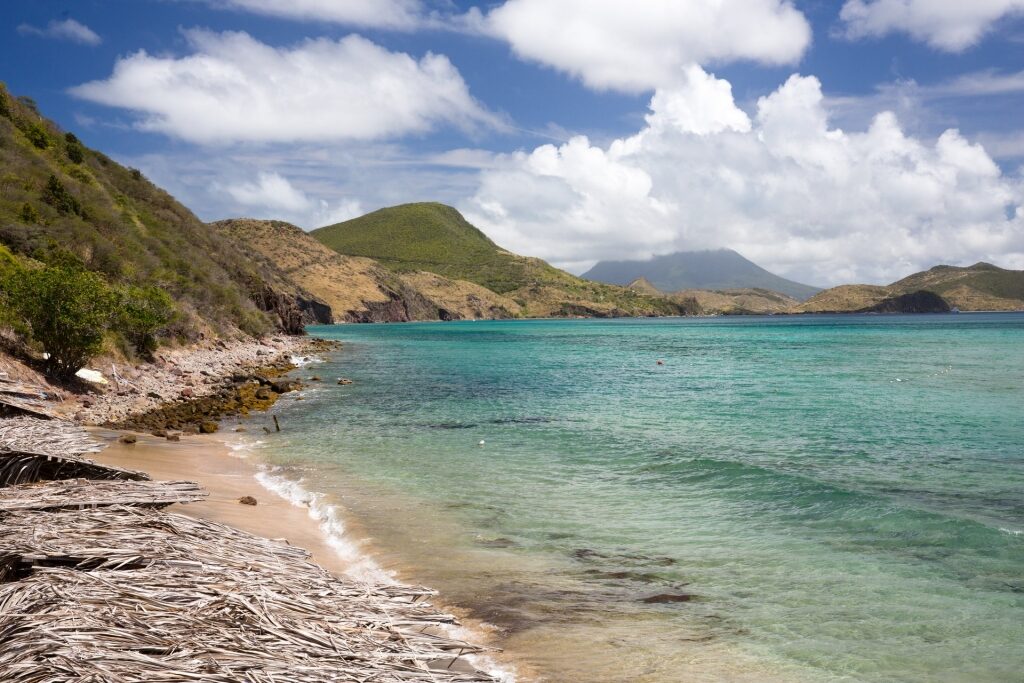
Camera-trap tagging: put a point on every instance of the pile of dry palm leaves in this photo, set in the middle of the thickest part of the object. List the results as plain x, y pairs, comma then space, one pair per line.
122, 591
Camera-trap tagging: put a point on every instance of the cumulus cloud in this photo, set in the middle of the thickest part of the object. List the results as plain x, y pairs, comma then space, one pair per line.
233, 88
68, 29
950, 25
391, 14
639, 46
783, 186
271, 195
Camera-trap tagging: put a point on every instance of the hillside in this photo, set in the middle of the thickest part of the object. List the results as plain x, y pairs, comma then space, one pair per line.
981, 287
739, 301
359, 289
719, 269
434, 238
62, 203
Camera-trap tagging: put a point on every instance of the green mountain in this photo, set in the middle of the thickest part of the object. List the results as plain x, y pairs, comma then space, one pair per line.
718, 269
61, 202
981, 287
435, 238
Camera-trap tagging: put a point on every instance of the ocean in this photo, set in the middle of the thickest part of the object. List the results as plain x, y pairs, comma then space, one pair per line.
819, 498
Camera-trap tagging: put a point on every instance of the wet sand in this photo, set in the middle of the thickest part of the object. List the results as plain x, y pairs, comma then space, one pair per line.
207, 460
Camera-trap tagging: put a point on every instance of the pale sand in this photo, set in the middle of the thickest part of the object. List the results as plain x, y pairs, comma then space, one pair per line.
207, 460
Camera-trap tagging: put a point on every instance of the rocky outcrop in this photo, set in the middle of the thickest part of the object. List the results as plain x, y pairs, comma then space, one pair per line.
915, 302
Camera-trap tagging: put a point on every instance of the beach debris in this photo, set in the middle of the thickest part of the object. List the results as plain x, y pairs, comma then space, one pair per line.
173, 436
247, 500
240, 429
22, 398
127, 438
76, 494
665, 598
661, 362
314, 378
128, 593
482, 443
93, 376
277, 425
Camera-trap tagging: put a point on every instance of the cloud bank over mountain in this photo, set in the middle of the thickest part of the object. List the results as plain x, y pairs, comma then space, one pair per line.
782, 186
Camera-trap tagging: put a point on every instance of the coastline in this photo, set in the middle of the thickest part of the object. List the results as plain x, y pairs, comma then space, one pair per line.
223, 468
171, 460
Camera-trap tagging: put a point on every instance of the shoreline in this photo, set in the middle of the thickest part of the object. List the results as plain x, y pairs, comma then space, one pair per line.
336, 544
176, 459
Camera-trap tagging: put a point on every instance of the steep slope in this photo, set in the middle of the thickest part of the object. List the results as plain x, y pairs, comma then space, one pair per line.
359, 289
981, 287
710, 270
61, 202
431, 237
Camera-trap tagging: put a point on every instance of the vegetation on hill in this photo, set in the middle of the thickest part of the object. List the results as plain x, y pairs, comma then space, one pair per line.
65, 205
739, 301
716, 270
436, 238
981, 287
359, 289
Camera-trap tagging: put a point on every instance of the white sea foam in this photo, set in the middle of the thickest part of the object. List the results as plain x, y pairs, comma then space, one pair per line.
361, 567
301, 361
1012, 532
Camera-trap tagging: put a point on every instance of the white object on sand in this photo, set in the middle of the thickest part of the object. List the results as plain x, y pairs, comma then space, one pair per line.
94, 376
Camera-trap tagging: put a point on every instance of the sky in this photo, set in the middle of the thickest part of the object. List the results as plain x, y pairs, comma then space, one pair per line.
830, 141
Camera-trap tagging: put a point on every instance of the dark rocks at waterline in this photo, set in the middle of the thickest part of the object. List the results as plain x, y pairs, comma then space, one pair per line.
200, 415
127, 438
247, 500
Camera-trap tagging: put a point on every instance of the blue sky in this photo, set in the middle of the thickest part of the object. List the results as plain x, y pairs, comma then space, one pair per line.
573, 130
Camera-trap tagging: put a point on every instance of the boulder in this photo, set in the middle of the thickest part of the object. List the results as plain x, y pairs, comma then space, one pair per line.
186, 393
264, 393
208, 427
174, 436
128, 438
247, 500
344, 380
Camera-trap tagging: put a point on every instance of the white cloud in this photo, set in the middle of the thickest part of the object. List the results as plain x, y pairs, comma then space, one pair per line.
233, 88
639, 46
784, 187
272, 195
391, 14
68, 29
950, 25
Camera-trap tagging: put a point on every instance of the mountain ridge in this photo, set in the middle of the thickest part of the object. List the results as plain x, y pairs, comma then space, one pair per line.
710, 269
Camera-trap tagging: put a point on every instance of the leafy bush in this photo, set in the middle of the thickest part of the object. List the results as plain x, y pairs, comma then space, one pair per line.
57, 196
29, 214
143, 312
67, 311
74, 152
5, 106
37, 135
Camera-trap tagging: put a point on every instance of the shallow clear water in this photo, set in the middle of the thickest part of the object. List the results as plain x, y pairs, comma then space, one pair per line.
841, 498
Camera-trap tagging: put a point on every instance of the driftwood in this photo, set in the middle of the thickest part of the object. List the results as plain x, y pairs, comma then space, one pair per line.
129, 594
84, 493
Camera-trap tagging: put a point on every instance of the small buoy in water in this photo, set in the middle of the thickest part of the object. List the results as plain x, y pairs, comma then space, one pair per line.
482, 442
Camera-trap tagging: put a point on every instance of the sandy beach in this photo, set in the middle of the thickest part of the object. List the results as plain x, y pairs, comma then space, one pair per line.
207, 460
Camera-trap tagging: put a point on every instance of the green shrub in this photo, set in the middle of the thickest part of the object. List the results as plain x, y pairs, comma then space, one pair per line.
29, 214
37, 135
143, 313
5, 106
67, 311
71, 138
80, 175
74, 151
57, 196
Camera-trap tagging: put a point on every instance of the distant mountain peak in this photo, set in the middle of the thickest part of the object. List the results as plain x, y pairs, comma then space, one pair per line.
715, 269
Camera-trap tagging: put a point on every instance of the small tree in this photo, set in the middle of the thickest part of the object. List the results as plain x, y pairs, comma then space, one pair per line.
74, 152
67, 311
143, 312
57, 196
36, 134
28, 214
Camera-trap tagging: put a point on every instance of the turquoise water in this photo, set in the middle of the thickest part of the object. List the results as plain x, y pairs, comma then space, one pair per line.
829, 498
